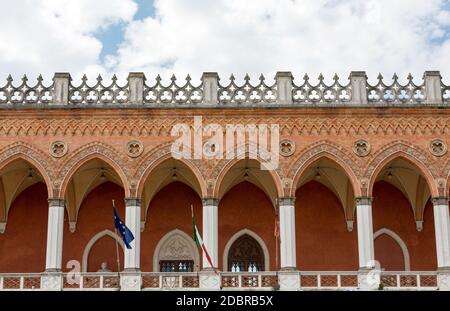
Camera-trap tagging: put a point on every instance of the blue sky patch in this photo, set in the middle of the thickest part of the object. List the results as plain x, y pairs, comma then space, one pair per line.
112, 36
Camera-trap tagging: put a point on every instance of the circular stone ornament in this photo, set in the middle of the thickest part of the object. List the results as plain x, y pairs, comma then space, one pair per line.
58, 149
438, 147
134, 148
287, 147
361, 147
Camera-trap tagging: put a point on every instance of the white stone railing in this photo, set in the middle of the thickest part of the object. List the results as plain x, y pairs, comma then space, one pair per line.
172, 280
404, 280
20, 281
305, 280
309, 280
249, 280
91, 281
136, 92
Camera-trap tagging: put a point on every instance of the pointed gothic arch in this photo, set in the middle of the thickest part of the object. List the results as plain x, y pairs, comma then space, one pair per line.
176, 245
256, 238
400, 242
91, 243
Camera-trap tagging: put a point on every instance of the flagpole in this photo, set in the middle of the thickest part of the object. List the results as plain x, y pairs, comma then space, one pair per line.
117, 252
277, 228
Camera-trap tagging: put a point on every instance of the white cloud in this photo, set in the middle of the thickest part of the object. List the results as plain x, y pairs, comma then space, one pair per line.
56, 35
228, 36
301, 36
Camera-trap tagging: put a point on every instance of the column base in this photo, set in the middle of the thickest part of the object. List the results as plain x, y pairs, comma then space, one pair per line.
52, 280
443, 279
369, 279
289, 280
131, 280
209, 280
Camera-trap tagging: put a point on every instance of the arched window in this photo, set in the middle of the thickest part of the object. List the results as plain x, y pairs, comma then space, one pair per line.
176, 252
245, 254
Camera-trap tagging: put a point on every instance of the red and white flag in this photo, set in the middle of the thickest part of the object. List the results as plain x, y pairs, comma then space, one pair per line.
199, 241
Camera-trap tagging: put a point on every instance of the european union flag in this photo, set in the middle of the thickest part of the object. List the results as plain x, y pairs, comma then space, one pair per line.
122, 229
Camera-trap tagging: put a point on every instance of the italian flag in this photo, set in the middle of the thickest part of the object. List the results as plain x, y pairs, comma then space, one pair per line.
199, 241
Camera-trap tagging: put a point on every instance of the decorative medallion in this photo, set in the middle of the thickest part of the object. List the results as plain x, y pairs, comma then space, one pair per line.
438, 147
361, 147
287, 147
135, 148
58, 149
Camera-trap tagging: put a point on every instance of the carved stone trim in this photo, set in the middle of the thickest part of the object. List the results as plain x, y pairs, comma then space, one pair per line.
438, 147
55, 202
287, 147
286, 201
210, 202
134, 148
2, 227
361, 147
132, 202
350, 224
440, 200
72, 226
58, 149
363, 200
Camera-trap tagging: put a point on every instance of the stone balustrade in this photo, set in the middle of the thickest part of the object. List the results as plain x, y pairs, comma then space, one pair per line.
212, 92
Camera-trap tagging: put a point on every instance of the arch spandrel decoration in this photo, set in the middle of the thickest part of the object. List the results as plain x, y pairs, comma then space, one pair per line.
43, 163
86, 153
176, 245
158, 155
338, 154
242, 152
401, 149
445, 180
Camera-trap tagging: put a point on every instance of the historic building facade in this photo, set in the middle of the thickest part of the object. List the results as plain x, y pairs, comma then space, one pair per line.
360, 188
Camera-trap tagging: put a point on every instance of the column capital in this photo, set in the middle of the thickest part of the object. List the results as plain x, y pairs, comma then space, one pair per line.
210, 202
363, 200
132, 202
440, 200
56, 202
283, 201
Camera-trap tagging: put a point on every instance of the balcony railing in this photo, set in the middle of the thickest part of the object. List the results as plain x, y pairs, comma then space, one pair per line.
408, 280
249, 280
307, 280
283, 91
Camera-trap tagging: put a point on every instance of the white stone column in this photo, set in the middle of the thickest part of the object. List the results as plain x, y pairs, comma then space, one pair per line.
287, 233
130, 278
289, 278
442, 232
52, 278
133, 222
55, 228
366, 278
210, 234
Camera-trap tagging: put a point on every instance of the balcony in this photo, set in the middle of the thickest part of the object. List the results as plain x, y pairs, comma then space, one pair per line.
329, 280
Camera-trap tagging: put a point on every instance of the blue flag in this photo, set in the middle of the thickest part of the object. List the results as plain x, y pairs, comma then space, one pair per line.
125, 233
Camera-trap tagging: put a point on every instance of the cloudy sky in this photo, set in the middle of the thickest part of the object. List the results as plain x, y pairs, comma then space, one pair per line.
227, 36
